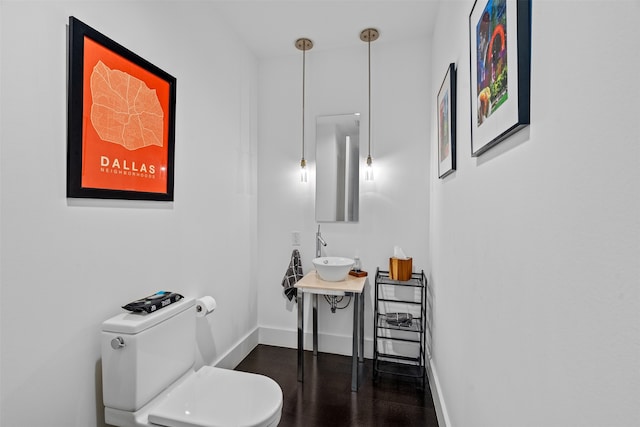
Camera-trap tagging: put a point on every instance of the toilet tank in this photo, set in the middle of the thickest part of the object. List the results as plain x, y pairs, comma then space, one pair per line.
158, 349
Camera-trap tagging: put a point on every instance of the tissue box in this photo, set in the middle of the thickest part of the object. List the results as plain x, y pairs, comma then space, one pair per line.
400, 269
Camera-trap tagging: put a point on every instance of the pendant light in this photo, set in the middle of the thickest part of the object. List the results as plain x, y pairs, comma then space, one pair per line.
304, 45
368, 35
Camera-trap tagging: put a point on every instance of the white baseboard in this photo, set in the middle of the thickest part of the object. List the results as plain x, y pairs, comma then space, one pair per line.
438, 398
327, 343
278, 337
238, 352
336, 344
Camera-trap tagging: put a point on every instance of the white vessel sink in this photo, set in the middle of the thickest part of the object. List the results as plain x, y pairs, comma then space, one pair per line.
332, 268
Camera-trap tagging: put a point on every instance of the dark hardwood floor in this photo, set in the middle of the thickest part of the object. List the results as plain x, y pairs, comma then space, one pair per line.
325, 397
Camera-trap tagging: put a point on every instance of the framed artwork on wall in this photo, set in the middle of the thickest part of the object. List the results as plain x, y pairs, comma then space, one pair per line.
446, 109
121, 121
500, 53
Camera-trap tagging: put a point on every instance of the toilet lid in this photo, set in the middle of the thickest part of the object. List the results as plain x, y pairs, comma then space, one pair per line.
215, 397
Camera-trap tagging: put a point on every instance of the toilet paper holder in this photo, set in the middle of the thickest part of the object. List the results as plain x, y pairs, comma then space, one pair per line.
205, 305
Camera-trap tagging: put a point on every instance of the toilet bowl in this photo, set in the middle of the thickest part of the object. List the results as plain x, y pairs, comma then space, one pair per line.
209, 397
148, 377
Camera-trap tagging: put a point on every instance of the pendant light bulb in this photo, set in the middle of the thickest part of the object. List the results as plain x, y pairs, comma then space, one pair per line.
368, 175
303, 170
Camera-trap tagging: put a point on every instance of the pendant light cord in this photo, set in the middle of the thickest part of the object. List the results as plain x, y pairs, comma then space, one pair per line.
369, 45
368, 35
304, 45
304, 52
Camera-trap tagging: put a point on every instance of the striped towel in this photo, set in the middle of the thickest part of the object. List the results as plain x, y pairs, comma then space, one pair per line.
293, 274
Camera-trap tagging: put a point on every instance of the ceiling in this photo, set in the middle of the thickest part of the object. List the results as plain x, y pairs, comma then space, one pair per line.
271, 27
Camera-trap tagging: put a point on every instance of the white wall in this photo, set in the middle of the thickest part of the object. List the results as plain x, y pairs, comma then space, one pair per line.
1, 97
535, 245
393, 209
69, 265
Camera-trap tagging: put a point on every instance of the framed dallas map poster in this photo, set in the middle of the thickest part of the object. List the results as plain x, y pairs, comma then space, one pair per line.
121, 121
500, 51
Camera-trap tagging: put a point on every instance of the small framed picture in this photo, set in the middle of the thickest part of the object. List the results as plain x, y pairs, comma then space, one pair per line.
500, 57
446, 109
121, 121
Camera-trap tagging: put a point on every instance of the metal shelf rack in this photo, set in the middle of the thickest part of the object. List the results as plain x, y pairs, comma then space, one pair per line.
399, 347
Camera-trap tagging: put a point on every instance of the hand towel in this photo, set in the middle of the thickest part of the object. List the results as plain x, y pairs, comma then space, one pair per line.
293, 274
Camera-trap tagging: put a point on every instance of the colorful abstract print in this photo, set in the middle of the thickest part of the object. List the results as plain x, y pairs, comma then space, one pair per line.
491, 41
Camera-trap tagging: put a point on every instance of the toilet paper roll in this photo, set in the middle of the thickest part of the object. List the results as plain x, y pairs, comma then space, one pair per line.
205, 305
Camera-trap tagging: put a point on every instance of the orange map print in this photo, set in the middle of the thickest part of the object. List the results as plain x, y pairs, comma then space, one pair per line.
124, 110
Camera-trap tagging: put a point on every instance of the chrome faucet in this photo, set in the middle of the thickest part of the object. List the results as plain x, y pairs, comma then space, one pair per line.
319, 241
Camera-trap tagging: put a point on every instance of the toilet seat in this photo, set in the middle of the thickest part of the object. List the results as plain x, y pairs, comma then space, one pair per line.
215, 397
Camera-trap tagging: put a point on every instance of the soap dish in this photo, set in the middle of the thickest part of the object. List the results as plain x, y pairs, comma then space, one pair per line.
360, 273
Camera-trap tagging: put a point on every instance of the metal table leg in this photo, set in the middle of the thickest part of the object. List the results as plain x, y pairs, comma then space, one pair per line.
315, 324
361, 352
354, 350
300, 335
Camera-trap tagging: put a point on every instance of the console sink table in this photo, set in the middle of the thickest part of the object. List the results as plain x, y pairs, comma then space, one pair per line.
312, 284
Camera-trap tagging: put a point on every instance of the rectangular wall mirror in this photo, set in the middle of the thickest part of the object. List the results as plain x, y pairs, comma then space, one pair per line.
337, 168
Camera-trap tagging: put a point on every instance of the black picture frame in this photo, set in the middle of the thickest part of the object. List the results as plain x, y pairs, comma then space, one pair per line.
446, 111
120, 121
500, 68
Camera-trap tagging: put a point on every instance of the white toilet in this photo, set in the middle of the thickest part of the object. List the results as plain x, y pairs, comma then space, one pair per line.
148, 377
